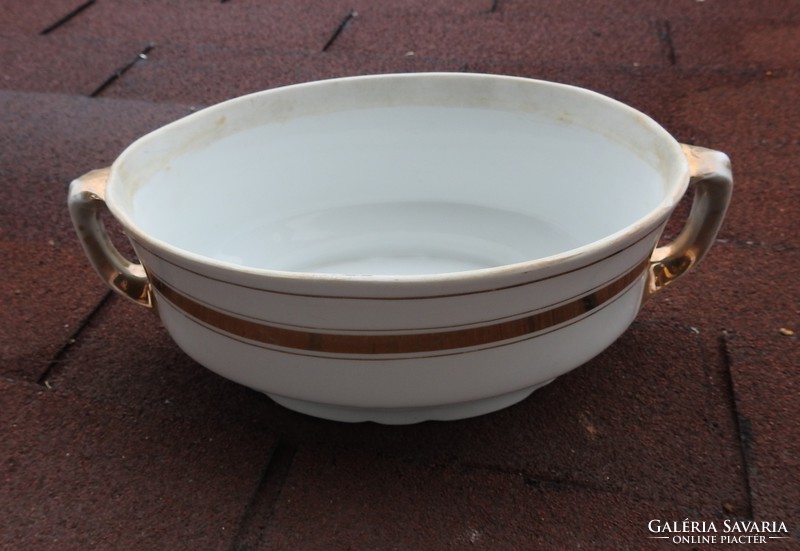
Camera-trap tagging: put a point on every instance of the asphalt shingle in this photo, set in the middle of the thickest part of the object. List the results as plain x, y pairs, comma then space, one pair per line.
113, 438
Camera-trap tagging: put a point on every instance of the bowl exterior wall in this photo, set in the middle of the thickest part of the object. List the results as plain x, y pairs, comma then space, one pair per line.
406, 381
431, 347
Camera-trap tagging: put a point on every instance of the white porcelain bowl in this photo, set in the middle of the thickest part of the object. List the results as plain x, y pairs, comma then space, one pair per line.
405, 247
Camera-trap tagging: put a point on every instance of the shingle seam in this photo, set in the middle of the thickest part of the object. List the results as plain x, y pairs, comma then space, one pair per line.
67, 17
663, 29
116, 75
343, 24
743, 425
259, 511
52, 366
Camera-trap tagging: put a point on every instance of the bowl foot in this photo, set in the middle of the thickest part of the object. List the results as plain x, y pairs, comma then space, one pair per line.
406, 416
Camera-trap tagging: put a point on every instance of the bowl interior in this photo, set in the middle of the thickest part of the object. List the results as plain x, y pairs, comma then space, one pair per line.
434, 179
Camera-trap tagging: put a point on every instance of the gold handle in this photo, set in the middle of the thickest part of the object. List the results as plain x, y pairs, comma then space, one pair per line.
711, 175
86, 199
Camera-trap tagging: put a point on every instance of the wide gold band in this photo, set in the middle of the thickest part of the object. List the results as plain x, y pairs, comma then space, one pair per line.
396, 343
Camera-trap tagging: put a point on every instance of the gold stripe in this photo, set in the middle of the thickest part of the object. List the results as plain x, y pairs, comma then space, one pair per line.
338, 343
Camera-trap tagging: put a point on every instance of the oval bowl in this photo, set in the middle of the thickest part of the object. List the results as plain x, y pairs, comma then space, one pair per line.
399, 248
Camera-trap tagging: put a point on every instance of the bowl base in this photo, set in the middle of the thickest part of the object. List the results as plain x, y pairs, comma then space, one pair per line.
409, 415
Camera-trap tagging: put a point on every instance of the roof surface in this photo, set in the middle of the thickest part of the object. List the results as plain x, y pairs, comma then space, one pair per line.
112, 438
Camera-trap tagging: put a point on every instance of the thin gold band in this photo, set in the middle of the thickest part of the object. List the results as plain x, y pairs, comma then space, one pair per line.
141, 245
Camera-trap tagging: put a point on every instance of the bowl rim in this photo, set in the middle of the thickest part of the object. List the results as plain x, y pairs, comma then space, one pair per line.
566, 259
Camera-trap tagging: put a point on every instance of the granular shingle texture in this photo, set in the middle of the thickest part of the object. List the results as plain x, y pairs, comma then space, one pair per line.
112, 438
81, 475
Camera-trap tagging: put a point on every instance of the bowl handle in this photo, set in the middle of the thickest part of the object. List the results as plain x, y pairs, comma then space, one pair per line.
710, 172
86, 199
